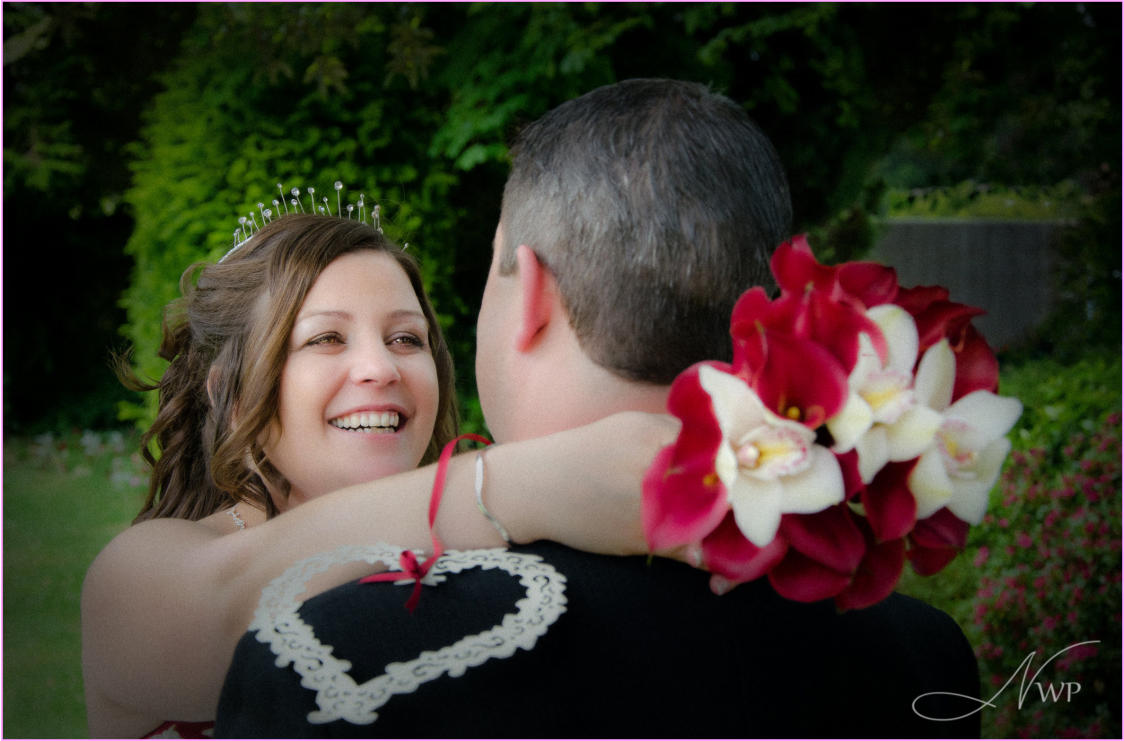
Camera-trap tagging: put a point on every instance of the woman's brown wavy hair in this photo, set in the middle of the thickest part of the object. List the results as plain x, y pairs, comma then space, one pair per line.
227, 340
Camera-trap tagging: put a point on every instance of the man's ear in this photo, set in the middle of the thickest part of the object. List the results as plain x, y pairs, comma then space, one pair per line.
538, 291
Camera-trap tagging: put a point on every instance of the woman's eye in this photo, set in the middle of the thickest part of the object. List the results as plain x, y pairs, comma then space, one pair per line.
329, 338
408, 340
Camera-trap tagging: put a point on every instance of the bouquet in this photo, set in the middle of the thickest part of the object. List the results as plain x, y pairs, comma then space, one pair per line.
856, 428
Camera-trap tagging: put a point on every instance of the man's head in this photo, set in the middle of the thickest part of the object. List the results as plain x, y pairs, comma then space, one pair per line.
650, 206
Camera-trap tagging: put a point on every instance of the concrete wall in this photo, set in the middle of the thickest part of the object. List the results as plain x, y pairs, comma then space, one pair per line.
1003, 267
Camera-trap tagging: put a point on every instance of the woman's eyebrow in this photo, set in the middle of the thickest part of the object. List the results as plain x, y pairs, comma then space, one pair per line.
409, 313
341, 314
338, 313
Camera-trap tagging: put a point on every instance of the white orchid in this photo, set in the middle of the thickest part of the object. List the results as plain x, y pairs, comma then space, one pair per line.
769, 465
962, 464
885, 418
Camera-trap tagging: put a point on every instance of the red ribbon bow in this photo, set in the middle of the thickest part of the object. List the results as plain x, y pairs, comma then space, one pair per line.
411, 569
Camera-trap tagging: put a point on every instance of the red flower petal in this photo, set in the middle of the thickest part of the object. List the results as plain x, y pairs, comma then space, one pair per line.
683, 498
835, 325
727, 552
941, 530
928, 561
747, 328
936, 316
876, 576
915, 300
829, 537
935, 541
888, 503
852, 478
795, 268
800, 380
802, 579
868, 282
976, 366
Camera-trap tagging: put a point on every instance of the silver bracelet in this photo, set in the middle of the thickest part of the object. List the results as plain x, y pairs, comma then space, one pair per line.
480, 499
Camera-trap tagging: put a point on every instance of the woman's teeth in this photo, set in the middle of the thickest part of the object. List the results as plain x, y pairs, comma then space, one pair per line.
375, 421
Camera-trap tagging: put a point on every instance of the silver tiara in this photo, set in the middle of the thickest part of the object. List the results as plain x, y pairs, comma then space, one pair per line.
293, 204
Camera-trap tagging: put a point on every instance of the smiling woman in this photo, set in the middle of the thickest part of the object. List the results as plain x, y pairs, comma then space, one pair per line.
236, 336
307, 368
359, 390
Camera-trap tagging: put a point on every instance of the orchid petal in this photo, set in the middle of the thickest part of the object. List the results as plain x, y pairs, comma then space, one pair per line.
868, 361
726, 464
912, 433
936, 375
817, 487
736, 407
850, 424
930, 483
873, 453
900, 332
757, 508
988, 416
970, 496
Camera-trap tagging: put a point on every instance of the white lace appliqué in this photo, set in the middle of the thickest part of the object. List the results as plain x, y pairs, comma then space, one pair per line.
338, 696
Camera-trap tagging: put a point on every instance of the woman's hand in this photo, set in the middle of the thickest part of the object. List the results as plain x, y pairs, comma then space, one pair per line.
581, 487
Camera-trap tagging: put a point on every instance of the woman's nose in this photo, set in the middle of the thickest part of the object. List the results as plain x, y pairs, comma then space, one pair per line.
375, 364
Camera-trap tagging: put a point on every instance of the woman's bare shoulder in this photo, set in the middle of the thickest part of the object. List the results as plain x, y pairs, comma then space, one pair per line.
165, 534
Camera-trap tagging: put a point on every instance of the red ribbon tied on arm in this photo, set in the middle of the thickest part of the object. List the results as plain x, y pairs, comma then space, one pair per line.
411, 569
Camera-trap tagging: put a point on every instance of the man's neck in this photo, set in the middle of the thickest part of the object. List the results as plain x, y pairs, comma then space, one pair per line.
581, 393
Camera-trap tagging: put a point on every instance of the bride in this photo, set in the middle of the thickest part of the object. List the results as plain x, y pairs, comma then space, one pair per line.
308, 380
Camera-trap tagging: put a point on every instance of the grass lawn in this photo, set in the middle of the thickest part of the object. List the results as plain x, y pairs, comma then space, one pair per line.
60, 508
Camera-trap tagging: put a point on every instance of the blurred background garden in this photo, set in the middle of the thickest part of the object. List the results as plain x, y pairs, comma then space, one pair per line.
136, 134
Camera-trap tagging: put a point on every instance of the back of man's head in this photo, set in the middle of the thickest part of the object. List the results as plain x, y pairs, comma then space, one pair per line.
655, 204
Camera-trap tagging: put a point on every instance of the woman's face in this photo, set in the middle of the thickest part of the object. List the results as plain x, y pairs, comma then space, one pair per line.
359, 388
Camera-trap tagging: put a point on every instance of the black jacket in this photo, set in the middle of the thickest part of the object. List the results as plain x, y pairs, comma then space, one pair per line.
643, 649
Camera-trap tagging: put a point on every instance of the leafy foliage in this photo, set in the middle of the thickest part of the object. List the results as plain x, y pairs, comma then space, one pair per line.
417, 104
220, 137
971, 200
72, 100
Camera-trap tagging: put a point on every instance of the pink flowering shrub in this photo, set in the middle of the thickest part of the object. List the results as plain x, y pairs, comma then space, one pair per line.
1051, 579
1049, 560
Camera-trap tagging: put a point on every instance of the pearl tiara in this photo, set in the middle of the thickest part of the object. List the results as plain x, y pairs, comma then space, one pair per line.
249, 225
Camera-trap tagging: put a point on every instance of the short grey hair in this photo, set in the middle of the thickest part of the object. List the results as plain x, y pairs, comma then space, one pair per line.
655, 204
